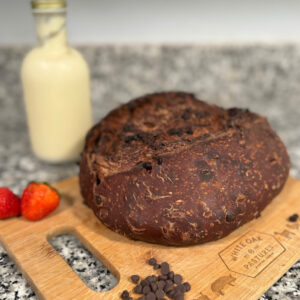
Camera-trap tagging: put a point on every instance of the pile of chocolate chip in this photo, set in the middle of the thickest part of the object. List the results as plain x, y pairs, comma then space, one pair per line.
158, 287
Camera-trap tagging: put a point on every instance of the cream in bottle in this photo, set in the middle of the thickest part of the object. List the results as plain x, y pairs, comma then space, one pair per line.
56, 86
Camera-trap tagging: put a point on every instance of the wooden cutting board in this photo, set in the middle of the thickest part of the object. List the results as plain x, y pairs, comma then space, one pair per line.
241, 266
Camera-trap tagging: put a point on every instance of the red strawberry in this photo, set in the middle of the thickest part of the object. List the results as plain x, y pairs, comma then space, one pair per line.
9, 203
38, 200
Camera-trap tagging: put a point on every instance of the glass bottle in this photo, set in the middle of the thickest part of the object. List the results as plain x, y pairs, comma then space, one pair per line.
56, 87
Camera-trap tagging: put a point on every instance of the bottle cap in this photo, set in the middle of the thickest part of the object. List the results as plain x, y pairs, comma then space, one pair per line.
48, 4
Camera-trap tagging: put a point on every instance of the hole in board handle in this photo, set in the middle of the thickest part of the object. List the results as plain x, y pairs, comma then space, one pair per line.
88, 268
12, 283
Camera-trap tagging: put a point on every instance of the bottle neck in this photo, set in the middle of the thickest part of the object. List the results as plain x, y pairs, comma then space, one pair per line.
51, 30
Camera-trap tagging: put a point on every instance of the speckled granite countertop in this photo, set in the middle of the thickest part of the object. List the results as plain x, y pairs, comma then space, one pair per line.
265, 79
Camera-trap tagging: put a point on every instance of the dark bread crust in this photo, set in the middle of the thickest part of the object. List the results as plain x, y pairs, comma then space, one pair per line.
170, 169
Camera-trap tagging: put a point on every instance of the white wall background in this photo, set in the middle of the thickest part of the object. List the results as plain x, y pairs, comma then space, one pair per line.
156, 21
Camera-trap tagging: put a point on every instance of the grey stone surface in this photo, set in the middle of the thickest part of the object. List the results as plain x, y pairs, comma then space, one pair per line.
265, 79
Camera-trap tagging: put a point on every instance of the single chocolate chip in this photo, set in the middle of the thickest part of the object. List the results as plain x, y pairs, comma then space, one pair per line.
147, 166
139, 163
188, 110
146, 289
229, 124
179, 296
95, 150
131, 107
242, 170
233, 111
174, 131
161, 284
189, 131
144, 282
156, 266
180, 132
177, 278
205, 172
180, 288
200, 115
136, 137
125, 294
98, 181
171, 275
148, 279
162, 277
165, 268
185, 117
141, 137
138, 289
135, 278
151, 296
187, 286
229, 216
98, 200
153, 286
168, 287
171, 294
293, 218
152, 261
130, 138
169, 282
159, 160
159, 293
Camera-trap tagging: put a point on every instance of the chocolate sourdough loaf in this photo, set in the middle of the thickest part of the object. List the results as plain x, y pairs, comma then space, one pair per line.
168, 168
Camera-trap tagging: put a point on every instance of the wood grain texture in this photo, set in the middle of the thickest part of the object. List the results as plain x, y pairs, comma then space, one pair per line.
241, 266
